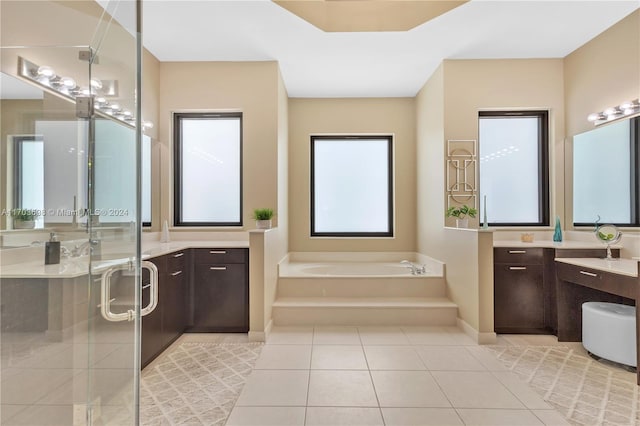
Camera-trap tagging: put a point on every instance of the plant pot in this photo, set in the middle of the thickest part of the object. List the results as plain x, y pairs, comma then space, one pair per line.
462, 223
24, 224
263, 224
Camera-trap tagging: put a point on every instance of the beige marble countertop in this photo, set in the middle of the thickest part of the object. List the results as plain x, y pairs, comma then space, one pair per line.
618, 266
79, 266
553, 244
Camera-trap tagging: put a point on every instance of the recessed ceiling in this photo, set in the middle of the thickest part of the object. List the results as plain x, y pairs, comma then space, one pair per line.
315, 63
358, 15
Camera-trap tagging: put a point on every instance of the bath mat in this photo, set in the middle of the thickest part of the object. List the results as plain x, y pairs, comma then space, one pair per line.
196, 383
585, 391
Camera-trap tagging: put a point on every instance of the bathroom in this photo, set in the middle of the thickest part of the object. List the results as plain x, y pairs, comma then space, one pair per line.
277, 120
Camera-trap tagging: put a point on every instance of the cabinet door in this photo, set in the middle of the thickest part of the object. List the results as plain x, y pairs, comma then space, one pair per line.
151, 337
518, 298
221, 298
174, 307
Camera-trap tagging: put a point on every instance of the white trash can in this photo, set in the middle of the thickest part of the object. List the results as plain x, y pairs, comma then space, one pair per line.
609, 331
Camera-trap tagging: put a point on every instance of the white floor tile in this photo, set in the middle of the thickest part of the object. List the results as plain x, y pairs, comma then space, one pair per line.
284, 357
393, 358
338, 357
471, 389
266, 416
551, 417
336, 336
329, 388
408, 389
343, 416
421, 417
521, 390
290, 336
449, 358
275, 388
490, 417
428, 336
382, 336
490, 362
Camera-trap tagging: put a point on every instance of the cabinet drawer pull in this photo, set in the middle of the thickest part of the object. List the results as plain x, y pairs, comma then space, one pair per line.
517, 268
176, 273
218, 251
218, 268
178, 255
517, 251
144, 287
589, 274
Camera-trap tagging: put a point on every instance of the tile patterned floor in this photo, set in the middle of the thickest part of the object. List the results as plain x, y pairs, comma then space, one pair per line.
195, 383
585, 391
360, 376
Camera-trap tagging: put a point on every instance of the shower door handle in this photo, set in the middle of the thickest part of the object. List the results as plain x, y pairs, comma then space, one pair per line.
106, 299
153, 293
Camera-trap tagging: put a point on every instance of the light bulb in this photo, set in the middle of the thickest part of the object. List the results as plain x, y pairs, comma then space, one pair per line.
115, 107
68, 82
96, 83
593, 117
625, 105
101, 100
46, 71
126, 113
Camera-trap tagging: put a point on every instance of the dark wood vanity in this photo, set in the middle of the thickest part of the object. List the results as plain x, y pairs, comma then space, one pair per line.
200, 290
535, 291
525, 287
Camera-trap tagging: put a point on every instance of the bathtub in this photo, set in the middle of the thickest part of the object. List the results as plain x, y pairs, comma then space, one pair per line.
356, 265
348, 269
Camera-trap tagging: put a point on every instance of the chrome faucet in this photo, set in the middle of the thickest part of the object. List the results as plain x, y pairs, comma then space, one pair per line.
415, 270
88, 247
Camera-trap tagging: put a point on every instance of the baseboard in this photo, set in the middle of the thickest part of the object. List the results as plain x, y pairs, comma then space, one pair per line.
261, 336
480, 338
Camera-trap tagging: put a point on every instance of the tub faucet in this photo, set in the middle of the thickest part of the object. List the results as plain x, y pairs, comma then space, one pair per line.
415, 270
85, 248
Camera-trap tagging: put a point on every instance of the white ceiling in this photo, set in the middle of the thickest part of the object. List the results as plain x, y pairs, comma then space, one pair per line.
318, 64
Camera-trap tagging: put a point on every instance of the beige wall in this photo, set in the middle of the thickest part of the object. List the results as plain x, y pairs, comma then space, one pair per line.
249, 87
601, 74
342, 116
473, 85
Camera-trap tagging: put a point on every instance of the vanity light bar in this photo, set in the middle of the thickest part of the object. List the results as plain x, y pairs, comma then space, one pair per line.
623, 110
46, 77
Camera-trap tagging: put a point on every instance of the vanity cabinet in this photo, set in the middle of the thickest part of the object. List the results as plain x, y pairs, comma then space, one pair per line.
168, 320
524, 281
220, 290
152, 336
518, 290
174, 290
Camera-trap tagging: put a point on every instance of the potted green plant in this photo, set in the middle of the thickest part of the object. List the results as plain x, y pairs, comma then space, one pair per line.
24, 218
461, 213
263, 218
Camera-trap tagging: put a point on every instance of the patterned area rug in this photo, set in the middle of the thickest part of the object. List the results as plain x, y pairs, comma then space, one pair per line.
585, 391
196, 383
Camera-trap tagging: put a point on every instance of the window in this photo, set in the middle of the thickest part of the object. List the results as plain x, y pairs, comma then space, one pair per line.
351, 186
514, 167
606, 180
208, 169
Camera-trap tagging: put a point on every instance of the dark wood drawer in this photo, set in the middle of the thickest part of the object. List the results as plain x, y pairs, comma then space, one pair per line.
220, 256
617, 284
518, 255
177, 261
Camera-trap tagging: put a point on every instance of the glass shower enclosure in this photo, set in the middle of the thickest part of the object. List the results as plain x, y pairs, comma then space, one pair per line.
70, 171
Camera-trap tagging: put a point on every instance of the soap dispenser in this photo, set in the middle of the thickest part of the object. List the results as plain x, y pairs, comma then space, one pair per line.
52, 250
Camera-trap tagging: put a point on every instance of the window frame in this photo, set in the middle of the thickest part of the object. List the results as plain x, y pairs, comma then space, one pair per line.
390, 190
177, 164
544, 212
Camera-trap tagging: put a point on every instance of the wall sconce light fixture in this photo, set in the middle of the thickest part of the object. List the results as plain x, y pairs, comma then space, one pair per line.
103, 91
623, 110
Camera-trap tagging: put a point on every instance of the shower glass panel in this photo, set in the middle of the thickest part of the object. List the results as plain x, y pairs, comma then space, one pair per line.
63, 358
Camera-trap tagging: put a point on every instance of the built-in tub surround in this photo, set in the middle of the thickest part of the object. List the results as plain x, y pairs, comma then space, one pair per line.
361, 289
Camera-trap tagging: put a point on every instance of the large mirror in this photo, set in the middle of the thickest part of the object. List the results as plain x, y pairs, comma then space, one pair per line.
606, 177
44, 163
